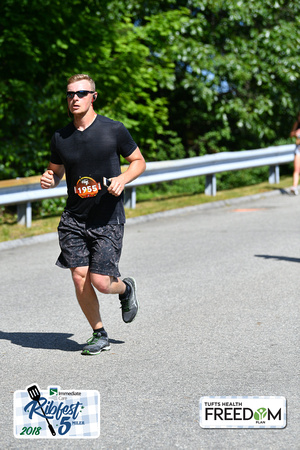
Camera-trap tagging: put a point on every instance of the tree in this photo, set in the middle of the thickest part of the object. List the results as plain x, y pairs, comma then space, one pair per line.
187, 77
42, 44
236, 70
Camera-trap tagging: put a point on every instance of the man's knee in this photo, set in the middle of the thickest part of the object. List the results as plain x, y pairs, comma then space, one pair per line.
79, 276
101, 282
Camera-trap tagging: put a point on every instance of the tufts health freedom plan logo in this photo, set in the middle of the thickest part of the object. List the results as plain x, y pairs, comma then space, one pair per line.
242, 412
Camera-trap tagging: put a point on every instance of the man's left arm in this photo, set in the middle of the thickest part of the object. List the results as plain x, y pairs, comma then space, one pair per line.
137, 166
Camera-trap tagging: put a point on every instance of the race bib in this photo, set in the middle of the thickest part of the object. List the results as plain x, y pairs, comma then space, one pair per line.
87, 187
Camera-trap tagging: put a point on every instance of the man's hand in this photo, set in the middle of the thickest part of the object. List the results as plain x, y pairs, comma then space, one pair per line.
117, 186
47, 179
136, 167
52, 176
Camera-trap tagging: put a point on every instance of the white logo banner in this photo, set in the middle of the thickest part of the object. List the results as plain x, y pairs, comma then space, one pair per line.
242, 412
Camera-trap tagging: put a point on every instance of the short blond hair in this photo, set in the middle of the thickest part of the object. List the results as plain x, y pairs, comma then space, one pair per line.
80, 77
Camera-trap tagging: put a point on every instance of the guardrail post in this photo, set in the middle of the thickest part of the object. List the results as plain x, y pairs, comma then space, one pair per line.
130, 197
28, 214
24, 212
21, 212
274, 174
211, 184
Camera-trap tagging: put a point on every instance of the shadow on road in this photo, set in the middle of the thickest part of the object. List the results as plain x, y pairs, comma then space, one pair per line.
286, 191
279, 258
50, 341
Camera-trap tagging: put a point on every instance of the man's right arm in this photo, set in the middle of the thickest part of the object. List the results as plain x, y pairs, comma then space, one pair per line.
52, 176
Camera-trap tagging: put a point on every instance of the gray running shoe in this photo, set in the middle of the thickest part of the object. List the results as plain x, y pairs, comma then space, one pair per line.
129, 305
96, 344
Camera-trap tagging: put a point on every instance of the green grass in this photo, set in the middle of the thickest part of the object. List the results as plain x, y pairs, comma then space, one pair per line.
10, 229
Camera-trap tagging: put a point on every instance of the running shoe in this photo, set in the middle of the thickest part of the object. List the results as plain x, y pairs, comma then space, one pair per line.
98, 343
294, 191
129, 305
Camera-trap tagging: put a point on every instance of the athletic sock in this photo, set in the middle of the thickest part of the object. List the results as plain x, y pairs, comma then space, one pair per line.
126, 293
100, 330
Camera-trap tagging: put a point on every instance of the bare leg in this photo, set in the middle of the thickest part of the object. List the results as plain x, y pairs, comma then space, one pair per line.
107, 285
86, 296
296, 171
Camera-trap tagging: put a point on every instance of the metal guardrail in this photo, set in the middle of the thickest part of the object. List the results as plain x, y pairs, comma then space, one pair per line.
210, 165
23, 194
157, 172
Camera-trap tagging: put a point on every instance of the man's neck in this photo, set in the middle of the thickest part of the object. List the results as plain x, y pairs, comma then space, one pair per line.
83, 122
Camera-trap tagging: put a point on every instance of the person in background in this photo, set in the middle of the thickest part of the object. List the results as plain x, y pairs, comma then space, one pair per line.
295, 133
91, 228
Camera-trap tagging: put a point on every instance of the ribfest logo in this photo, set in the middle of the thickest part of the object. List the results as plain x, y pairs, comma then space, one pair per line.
56, 413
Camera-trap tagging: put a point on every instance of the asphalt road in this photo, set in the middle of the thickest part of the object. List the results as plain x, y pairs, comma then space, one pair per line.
219, 302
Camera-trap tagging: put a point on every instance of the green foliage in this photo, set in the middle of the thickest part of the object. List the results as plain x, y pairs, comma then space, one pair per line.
174, 188
187, 77
49, 207
248, 177
236, 67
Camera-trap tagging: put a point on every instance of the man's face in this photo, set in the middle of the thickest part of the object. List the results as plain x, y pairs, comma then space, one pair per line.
80, 106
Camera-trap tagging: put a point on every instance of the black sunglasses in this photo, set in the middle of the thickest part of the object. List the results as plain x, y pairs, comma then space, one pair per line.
80, 94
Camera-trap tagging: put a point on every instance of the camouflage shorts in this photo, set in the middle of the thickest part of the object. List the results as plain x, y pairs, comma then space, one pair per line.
97, 247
